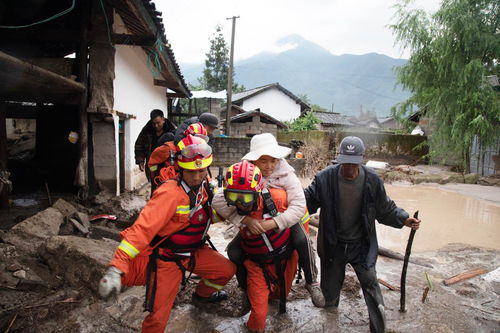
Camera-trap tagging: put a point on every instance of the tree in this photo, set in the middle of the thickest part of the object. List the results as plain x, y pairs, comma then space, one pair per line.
314, 107
453, 51
305, 123
216, 65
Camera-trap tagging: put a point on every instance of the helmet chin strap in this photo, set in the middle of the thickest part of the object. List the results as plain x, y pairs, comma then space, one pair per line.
247, 212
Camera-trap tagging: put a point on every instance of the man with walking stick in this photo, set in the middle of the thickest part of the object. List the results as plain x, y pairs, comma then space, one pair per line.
351, 196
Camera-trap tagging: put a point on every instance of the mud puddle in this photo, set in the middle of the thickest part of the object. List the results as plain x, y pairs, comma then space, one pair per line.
448, 217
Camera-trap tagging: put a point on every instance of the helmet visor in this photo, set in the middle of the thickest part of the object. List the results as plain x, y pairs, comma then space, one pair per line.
191, 151
245, 199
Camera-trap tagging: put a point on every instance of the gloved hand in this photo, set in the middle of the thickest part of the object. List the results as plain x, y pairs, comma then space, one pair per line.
110, 281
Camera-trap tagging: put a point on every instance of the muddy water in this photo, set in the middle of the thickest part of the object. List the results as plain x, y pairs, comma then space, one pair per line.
447, 217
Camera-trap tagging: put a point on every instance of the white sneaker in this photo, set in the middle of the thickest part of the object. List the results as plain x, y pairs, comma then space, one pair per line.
316, 294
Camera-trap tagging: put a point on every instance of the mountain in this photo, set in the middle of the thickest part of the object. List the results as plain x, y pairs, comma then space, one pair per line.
348, 81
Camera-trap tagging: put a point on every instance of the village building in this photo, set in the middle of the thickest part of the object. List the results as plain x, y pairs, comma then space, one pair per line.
250, 123
273, 100
87, 78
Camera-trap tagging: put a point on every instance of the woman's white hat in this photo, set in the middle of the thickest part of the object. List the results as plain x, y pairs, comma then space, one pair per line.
265, 144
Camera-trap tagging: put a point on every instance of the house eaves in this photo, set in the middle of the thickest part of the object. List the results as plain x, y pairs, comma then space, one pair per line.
240, 97
250, 114
142, 19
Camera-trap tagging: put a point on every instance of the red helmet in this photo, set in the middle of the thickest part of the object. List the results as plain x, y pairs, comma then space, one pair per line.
193, 153
243, 183
197, 129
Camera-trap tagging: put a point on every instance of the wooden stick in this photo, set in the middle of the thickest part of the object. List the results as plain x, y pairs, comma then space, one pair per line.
464, 276
48, 193
405, 267
398, 256
388, 285
424, 295
382, 251
11, 323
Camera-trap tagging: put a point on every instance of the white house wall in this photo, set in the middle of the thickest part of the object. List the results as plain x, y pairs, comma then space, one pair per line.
135, 94
275, 103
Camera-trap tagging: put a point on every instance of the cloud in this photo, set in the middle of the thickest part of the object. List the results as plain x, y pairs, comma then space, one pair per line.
340, 26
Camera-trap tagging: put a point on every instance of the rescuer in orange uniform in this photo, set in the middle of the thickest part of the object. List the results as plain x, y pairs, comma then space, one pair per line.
161, 162
271, 262
167, 241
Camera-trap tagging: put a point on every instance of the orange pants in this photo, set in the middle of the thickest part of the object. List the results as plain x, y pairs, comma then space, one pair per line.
258, 291
213, 268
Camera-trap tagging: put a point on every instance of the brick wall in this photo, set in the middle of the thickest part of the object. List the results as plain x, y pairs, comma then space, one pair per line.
229, 150
252, 128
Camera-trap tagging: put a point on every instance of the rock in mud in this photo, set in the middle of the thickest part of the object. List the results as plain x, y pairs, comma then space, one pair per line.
81, 261
31, 233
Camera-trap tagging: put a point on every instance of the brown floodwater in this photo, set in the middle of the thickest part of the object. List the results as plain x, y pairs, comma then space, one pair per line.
447, 217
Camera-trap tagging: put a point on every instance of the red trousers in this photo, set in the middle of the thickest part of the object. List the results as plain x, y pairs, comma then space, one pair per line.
258, 291
213, 268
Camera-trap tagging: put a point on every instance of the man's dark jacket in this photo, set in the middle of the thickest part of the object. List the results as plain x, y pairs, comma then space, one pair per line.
179, 133
144, 143
324, 191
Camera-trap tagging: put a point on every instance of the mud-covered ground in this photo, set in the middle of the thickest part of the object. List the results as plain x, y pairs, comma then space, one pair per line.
52, 304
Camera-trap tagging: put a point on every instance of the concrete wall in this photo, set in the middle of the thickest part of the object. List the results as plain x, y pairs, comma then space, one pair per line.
105, 145
275, 103
135, 94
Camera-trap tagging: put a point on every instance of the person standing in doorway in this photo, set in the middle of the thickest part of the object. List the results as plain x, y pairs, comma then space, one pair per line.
351, 197
148, 139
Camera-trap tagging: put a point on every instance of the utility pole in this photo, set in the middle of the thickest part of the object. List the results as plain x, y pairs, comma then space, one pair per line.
230, 80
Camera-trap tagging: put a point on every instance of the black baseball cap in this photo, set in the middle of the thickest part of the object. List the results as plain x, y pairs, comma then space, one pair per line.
209, 119
351, 151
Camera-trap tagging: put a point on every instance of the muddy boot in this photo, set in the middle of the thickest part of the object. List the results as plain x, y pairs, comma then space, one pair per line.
316, 294
245, 304
202, 302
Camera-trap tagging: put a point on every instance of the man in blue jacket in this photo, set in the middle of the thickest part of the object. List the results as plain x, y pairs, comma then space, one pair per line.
351, 196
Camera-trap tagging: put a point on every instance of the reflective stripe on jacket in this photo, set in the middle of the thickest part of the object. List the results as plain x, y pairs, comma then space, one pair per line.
166, 213
189, 239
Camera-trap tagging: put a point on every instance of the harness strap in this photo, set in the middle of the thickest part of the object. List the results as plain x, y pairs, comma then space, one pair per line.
299, 274
152, 268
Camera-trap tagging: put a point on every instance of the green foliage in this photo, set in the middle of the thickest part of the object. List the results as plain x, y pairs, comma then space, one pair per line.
216, 65
307, 122
314, 107
452, 53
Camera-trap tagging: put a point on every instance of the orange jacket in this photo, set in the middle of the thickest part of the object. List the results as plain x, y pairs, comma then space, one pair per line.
161, 154
165, 213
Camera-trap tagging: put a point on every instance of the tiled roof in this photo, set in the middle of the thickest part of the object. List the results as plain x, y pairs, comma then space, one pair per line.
332, 118
248, 114
249, 93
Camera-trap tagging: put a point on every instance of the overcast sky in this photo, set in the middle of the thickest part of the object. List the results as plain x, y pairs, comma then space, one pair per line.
340, 26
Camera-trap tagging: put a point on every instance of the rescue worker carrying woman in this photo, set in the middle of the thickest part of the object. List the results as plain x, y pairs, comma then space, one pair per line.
270, 260
167, 241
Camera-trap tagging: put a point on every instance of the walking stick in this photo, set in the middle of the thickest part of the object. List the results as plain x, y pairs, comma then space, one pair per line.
405, 266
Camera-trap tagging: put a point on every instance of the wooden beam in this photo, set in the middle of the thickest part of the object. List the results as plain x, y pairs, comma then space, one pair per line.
127, 39
176, 94
180, 114
164, 83
82, 170
39, 35
19, 111
4, 201
17, 76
